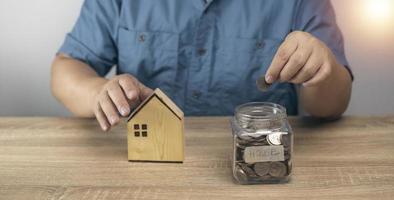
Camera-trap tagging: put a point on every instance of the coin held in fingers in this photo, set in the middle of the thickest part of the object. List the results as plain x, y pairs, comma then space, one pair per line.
262, 84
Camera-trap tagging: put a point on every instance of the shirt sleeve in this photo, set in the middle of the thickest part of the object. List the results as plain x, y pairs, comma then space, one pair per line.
318, 18
92, 40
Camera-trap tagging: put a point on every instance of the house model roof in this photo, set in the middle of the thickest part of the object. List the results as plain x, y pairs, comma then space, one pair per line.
164, 99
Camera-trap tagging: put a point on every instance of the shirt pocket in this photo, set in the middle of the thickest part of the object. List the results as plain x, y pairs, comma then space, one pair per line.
241, 61
152, 56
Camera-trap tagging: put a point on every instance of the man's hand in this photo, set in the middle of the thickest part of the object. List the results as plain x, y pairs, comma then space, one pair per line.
86, 94
301, 59
115, 99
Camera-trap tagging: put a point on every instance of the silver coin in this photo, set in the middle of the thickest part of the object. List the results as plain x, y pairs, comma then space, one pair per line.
287, 155
249, 171
278, 169
240, 145
262, 168
275, 138
239, 154
286, 140
258, 143
242, 142
261, 139
240, 175
289, 166
245, 139
262, 84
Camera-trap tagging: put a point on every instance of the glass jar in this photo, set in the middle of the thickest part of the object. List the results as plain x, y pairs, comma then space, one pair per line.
263, 144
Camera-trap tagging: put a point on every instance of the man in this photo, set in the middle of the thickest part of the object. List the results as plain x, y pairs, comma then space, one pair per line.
205, 54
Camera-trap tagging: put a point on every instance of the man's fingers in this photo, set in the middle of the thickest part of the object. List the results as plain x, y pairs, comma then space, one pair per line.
308, 71
109, 109
101, 118
296, 62
134, 90
119, 99
129, 87
145, 92
320, 76
288, 47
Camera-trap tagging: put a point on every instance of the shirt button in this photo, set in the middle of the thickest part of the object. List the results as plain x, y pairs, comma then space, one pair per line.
201, 51
196, 94
259, 45
141, 38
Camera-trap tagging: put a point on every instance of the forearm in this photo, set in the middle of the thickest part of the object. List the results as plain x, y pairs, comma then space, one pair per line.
74, 83
330, 98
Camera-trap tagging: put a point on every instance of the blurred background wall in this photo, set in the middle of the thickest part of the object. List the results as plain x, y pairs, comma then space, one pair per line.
32, 31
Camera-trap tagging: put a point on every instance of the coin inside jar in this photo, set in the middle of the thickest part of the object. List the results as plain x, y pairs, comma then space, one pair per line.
249, 171
262, 168
275, 138
262, 142
240, 174
262, 84
240, 154
278, 169
286, 140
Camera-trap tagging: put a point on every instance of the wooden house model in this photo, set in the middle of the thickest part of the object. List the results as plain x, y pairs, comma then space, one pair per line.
155, 130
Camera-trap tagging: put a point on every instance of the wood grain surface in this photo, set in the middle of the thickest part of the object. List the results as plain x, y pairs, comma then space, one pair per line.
68, 158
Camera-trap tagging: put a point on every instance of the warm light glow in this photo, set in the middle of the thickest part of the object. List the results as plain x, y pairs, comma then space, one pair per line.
380, 11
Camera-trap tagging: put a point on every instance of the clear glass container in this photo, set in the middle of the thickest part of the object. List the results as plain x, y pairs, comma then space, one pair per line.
263, 144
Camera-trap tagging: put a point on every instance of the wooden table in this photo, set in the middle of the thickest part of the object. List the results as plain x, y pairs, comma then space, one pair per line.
63, 158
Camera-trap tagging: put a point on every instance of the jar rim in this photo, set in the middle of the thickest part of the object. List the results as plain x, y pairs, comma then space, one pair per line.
261, 111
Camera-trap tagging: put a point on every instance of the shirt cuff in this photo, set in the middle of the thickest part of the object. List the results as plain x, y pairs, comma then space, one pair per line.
75, 49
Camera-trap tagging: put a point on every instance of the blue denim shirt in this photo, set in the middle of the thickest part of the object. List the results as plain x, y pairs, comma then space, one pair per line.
206, 55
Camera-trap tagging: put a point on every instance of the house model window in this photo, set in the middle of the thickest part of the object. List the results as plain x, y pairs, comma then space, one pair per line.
140, 130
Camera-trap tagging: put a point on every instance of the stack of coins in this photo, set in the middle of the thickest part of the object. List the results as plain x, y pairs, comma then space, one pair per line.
267, 171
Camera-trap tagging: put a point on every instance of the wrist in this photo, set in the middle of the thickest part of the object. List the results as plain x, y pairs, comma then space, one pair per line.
93, 87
